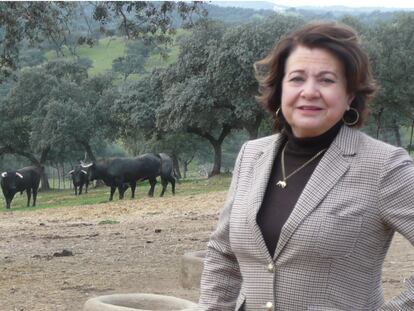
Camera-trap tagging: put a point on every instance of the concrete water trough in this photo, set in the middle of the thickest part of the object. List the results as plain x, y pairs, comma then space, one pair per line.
138, 302
192, 264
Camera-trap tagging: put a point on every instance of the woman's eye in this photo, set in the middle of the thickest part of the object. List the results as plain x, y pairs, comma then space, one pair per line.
327, 81
297, 79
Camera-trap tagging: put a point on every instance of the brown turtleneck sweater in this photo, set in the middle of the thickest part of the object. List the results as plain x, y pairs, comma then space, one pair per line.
279, 202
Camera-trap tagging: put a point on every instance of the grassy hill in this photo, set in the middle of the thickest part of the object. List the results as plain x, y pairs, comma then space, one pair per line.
103, 53
106, 50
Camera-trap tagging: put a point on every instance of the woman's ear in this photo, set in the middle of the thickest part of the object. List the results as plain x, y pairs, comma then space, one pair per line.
350, 99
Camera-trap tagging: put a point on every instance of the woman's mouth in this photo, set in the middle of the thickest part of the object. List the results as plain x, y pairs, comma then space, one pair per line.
310, 108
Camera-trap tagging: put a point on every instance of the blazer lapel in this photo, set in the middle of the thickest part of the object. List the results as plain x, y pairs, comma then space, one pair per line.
328, 172
261, 175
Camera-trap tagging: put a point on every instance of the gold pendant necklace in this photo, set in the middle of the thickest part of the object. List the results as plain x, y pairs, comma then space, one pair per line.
282, 183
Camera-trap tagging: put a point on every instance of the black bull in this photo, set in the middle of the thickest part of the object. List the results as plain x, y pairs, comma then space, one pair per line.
119, 172
24, 179
80, 178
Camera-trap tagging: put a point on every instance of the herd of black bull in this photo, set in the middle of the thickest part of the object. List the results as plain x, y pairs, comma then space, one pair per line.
118, 173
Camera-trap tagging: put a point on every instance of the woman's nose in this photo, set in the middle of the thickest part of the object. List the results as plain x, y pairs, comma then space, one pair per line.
310, 90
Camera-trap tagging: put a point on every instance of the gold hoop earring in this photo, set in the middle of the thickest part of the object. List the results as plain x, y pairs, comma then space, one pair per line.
356, 117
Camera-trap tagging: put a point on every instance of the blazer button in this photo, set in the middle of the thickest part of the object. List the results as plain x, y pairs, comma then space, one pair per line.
270, 267
269, 306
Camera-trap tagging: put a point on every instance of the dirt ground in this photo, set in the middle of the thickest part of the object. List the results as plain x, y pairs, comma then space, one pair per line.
138, 250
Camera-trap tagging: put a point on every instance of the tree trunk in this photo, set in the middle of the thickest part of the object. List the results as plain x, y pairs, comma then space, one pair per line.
185, 168
58, 174
216, 143
91, 156
185, 165
217, 160
63, 175
379, 121
44, 181
396, 132
43, 177
88, 150
253, 128
176, 166
411, 137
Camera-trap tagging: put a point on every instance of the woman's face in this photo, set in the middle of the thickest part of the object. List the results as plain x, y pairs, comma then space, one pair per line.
314, 96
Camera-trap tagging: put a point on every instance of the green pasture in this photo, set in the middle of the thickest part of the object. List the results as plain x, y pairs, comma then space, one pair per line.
156, 61
108, 49
103, 54
63, 198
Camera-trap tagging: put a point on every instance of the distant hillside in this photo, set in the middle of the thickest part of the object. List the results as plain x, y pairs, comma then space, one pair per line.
341, 8
265, 5
237, 15
255, 5
245, 11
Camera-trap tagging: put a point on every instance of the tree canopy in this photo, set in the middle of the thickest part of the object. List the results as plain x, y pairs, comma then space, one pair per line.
52, 22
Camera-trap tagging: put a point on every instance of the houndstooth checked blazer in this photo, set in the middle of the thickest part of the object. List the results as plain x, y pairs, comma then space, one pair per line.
331, 249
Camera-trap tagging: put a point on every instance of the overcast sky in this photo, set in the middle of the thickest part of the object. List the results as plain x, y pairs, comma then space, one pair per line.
349, 3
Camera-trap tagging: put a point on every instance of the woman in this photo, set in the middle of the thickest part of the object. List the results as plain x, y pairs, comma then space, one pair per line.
311, 211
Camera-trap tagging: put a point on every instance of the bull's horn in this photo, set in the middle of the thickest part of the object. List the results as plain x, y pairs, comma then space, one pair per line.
71, 172
85, 172
4, 174
20, 175
86, 165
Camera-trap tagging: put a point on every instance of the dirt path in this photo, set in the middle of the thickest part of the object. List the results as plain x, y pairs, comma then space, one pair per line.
140, 252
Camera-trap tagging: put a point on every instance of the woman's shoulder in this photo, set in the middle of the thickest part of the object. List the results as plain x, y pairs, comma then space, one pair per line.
262, 142
372, 143
253, 149
381, 152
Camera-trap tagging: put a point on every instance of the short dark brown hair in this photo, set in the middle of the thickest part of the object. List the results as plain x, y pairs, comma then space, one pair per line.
340, 40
